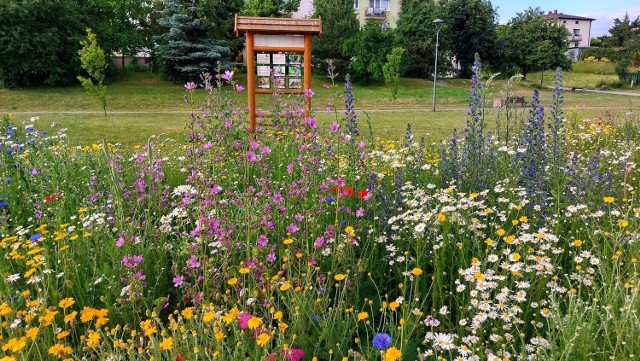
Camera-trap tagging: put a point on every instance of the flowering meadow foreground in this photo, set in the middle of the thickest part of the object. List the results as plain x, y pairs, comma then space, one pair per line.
314, 242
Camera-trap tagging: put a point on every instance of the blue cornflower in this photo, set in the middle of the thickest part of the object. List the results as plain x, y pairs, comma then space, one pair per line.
35, 238
8, 180
314, 318
330, 199
3, 204
381, 340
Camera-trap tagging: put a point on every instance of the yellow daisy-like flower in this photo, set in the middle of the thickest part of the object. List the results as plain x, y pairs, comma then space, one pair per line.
70, 317
167, 344
623, 223
93, 340
392, 354
187, 313
608, 199
232, 281
59, 350
363, 316
32, 333
220, 336
576, 243
209, 316
287, 241
285, 286
254, 322
441, 217
244, 270
394, 305
66, 303
277, 315
339, 277
416, 271
263, 338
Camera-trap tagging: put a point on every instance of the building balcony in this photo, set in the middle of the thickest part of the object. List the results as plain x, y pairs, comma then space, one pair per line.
575, 38
376, 13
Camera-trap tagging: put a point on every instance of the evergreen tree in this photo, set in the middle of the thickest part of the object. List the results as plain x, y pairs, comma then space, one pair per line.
185, 50
339, 23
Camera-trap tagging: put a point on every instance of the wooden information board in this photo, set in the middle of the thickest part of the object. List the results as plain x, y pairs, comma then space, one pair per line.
278, 56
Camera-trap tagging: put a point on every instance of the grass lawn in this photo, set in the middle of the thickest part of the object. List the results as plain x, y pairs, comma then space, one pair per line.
141, 105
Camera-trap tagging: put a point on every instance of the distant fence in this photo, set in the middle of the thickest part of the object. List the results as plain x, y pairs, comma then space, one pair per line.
632, 78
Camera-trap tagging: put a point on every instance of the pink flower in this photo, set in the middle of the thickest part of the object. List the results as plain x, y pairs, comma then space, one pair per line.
227, 75
308, 93
190, 86
243, 320
120, 241
294, 354
239, 88
334, 127
193, 261
177, 280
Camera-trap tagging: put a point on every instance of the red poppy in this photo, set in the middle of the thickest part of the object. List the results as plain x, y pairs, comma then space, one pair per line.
349, 191
52, 197
362, 193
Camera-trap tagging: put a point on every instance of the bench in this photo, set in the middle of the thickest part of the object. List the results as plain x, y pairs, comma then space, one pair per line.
500, 102
574, 88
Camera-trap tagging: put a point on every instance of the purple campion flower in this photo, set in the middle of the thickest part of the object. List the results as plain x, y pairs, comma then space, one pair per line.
253, 157
208, 145
292, 228
120, 241
311, 122
334, 127
381, 340
290, 168
178, 280
190, 86
139, 276
137, 259
227, 75
277, 198
193, 261
271, 257
262, 241
265, 150
360, 212
254, 145
308, 93
243, 319
239, 88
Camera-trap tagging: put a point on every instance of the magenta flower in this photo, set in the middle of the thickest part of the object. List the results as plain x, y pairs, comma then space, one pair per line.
334, 127
292, 228
239, 88
243, 320
262, 241
190, 86
308, 93
252, 157
120, 241
177, 281
193, 261
227, 75
294, 354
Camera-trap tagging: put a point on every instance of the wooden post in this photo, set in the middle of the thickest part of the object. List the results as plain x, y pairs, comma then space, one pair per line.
251, 82
307, 71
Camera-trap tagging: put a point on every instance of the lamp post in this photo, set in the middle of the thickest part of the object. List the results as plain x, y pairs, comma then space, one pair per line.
438, 23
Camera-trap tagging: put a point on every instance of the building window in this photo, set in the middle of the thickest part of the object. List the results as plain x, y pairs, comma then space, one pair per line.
577, 22
564, 21
355, 4
576, 32
575, 45
379, 5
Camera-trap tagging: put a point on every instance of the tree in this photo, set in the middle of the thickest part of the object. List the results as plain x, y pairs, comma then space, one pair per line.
270, 8
339, 23
368, 50
416, 33
185, 49
471, 29
532, 43
39, 42
391, 70
94, 64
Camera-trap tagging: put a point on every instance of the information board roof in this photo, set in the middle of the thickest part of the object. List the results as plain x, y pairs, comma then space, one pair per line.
258, 25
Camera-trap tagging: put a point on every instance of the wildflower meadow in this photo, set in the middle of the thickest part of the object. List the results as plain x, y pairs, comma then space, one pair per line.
311, 241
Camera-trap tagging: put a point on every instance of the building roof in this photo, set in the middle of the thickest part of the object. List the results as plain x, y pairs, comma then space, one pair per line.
258, 25
556, 15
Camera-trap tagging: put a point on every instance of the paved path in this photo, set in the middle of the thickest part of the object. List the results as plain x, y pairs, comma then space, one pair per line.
632, 94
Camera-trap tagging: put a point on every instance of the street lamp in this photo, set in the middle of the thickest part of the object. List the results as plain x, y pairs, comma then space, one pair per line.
438, 23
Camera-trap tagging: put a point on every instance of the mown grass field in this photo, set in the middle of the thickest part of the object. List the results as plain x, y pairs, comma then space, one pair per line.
142, 104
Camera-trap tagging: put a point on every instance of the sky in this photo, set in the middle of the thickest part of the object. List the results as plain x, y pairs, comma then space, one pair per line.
604, 11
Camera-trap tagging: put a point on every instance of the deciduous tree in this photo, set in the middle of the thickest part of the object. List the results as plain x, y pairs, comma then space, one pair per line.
339, 23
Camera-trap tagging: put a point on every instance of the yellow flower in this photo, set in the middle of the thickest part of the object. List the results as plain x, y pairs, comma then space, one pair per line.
62, 335
15, 344
339, 277
244, 270
362, 316
394, 305
441, 217
392, 354
70, 317
576, 243
254, 322
277, 315
187, 313
32, 333
59, 350
66, 303
94, 339
209, 316
232, 281
416, 271
608, 199
262, 339
87, 314
8, 358
623, 223
167, 344
220, 336
285, 286
287, 241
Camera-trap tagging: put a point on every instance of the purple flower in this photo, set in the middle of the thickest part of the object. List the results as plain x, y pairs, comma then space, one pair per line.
334, 127
262, 241
381, 340
120, 241
308, 93
138, 259
292, 228
277, 198
243, 319
239, 88
193, 261
265, 150
177, 280
271, 257
227, 75
253, 157
190, 86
